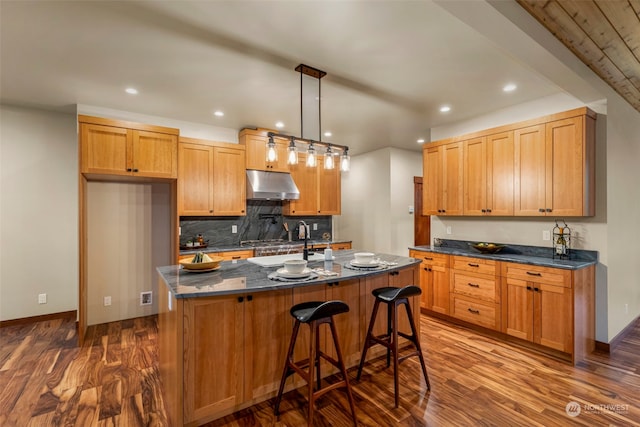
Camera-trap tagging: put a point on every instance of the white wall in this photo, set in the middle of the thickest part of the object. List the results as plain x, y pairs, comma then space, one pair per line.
38, 212
376, 194
128, 236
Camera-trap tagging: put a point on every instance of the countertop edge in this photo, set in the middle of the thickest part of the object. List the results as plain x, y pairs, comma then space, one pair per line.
520, 259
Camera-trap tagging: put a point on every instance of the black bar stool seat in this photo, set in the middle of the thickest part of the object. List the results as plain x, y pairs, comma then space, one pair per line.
315, 313
394, 297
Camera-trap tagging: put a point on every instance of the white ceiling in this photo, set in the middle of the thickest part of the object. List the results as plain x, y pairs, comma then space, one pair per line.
390, 64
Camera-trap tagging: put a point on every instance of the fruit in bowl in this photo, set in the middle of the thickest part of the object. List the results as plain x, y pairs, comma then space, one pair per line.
201, 261
490, 248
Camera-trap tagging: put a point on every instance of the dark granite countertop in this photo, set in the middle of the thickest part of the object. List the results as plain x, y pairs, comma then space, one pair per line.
240, 277
531, 255
229, 248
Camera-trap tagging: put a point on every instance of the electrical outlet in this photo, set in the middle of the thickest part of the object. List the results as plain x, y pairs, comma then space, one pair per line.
234, 229
145, 298
546, 235
107, 301
449, 229
315, 226
411, 209
42, 298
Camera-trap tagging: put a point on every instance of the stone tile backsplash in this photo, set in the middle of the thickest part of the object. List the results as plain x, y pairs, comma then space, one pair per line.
264, 220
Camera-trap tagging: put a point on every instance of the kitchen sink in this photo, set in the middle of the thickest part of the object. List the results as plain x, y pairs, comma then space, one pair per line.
275, 260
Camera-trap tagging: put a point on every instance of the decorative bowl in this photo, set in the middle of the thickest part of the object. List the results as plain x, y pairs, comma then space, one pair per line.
295, 266
188, 265
363, 257
488, 248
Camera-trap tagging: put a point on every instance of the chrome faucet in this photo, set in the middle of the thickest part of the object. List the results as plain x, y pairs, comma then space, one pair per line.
305, 252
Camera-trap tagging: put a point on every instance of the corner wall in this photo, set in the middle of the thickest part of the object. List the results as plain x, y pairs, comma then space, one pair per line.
38, 212
376, 194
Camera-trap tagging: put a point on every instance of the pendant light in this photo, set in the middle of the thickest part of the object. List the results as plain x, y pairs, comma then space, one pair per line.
292, 159
272, 153
311, 156
328, 158
345, 161
292, 154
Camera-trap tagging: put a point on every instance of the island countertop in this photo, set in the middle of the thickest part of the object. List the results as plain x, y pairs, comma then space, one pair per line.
239, 277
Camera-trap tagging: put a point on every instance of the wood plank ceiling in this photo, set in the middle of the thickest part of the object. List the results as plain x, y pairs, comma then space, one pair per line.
604, 34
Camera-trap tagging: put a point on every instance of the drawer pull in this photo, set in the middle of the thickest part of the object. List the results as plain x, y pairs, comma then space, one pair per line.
473, 265
533, 274
473, 285
474, 311
236, 257
428, 258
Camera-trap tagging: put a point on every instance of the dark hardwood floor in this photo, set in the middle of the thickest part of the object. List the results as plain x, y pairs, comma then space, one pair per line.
47, 380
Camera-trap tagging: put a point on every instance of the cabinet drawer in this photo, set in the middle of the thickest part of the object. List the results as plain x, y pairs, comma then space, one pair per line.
482, 314
476, 265
537, 274
235, 255
475, 286
430, 258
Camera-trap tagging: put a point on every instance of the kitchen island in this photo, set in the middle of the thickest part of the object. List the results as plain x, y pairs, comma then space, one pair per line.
223, 335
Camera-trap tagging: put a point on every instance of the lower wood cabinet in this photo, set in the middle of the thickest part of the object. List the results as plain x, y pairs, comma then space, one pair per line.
434, 281
540, 305
550, 307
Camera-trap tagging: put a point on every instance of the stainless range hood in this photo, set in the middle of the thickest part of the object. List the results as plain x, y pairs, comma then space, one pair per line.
263, 185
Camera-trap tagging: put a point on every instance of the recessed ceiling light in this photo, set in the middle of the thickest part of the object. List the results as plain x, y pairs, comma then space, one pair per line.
218, 113
421, 141
279, 125
509, 88
131, 91
328, 133
445, 109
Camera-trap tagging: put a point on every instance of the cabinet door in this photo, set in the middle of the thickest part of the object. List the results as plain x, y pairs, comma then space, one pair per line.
104, 149
426, 285
229, 182
553, 310
440, 283
530, 171
154, 154
565, 167
348, 334
500, 174
329, 197
306, 180
453, 179
256, 146
432, 189
519, 309
267, 328
475, 176
402, 278
214, 356
195, 183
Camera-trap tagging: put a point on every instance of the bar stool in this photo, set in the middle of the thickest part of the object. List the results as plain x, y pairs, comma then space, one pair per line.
315, 313
394, 297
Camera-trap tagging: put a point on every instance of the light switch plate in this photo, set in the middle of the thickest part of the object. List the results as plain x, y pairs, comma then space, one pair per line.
42, 298
315, 226
448, 229
234, 229
546, 235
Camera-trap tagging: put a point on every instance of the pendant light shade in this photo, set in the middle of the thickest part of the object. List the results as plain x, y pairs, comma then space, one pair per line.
328, 159
311, 156
272, 153
292, 159
345, 161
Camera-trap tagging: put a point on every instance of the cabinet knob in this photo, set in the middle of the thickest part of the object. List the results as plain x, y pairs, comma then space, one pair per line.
484, 210
211, 211
529, 288
128, 169
444, 211
249, 297
135, 170
240, 299
318, 211
488, 210
541, 210
242, 211
536, 289
548, 210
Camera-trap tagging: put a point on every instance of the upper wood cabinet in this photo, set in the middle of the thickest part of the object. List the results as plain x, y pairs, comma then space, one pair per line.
554, 165
255, 141
540, 167
319, 189
443, 179
488, 175
211, 179
111, 147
